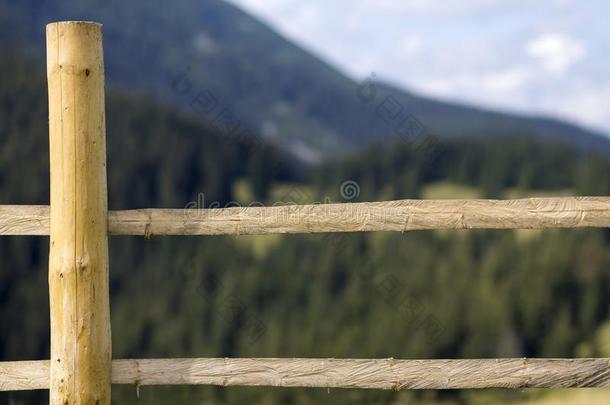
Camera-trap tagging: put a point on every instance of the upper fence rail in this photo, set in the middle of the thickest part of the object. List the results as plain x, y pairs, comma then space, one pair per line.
398, 216
387, 374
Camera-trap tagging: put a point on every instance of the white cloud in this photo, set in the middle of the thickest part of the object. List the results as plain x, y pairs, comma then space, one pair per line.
556, 52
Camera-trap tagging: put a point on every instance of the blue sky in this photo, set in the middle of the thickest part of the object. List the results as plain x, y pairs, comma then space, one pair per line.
537, 57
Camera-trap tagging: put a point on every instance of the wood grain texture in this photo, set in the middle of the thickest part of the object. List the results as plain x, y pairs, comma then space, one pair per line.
78, 257
399, 216
24, 375
24, 220
386, 374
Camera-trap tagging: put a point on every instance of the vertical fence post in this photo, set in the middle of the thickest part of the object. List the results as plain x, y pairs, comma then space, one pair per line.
78, 259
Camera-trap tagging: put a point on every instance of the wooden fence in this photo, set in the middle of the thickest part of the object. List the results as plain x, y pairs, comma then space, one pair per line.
81, 369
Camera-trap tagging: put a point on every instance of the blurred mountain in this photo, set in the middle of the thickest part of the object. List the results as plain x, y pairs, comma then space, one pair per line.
155, 153
216, 61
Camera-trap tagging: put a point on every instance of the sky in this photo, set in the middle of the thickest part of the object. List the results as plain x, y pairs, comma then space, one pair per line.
544, 57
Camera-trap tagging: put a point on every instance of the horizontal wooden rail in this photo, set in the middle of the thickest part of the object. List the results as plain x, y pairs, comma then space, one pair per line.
401, 215
388, 374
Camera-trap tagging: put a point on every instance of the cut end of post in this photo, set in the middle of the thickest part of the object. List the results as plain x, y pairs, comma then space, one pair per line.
86, 29
89, 23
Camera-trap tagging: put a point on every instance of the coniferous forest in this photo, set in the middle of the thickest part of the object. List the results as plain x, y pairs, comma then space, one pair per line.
427, 294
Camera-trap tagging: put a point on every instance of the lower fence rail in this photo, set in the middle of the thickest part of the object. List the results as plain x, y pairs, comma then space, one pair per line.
387, 374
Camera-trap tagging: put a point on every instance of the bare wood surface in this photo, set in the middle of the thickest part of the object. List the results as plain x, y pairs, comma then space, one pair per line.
24, 220
387, 374
24, 375
399, 216
78, 259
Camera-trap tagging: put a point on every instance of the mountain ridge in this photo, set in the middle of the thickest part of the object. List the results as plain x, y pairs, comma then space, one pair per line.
252, 78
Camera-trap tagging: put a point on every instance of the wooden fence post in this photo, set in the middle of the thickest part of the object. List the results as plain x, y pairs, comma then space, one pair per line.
78, 259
